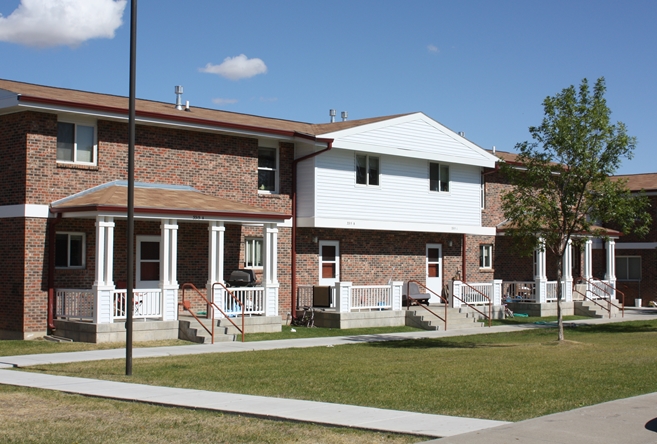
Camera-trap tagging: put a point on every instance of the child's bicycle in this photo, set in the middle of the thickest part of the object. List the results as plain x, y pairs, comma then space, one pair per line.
306, 319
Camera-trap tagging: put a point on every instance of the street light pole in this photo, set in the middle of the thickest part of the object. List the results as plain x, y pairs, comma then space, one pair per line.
130, 305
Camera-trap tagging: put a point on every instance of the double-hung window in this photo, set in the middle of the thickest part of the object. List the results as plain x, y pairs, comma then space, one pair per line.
438, 177
367, 170
486, 256
69, 250
267, 170
628, 268
253, 252
76, 143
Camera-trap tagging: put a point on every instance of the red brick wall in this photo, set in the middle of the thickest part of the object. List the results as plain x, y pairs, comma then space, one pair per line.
12, 270
375, 257
220, 165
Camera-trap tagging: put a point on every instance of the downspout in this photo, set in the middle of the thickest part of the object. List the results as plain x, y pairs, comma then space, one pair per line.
293, 268
463, 258
52, 223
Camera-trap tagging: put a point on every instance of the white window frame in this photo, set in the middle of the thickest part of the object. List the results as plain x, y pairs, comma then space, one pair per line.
627, 268
250, 244
94, 154
68, 251
482, 262
367, 170
440, 182
275, 170
483, 191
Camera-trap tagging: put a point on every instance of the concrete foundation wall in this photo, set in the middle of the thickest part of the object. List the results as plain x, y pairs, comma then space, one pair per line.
542, 310
385, 318
97, 333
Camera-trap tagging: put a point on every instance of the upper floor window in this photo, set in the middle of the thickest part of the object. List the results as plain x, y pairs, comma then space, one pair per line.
69, 250
486, 256
438, 177
253, 252
628, 268
76, 143
267, 170
367, 170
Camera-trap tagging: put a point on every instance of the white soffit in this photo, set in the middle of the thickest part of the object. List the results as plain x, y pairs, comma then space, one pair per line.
414, 135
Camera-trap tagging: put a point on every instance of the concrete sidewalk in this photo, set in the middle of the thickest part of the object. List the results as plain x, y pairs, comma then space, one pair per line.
369, 418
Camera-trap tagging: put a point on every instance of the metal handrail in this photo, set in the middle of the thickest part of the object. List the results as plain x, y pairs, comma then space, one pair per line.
186, 305
490, 304
236, 300
593, 283
409, 297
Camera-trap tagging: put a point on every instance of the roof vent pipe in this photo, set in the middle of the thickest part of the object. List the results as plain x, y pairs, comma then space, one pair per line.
493, 149
332, 114
344, 115
462, 133
179, 92
187, 106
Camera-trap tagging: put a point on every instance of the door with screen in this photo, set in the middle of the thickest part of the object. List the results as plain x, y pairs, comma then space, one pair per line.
435, 271
148, 261
329, 262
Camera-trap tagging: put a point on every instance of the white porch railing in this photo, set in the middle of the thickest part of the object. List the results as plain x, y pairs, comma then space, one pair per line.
599, 289
148, 303
473, 294
253, 299
74, 304
519, 291
551, 289
368, 297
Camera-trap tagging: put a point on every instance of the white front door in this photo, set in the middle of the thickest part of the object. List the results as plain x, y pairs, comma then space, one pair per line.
329, 262
435, 271
148, 262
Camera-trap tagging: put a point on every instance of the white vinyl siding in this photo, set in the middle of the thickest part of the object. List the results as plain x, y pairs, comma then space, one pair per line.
402, 195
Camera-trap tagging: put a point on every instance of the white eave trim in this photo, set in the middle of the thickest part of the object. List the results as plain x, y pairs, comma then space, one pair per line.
25, 210
313, 222
636, 245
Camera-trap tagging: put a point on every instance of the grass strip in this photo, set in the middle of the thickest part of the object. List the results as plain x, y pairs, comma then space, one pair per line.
42, 416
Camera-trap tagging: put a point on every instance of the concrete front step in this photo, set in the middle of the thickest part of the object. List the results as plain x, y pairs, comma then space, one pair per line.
191, 330
591, 309
456, 318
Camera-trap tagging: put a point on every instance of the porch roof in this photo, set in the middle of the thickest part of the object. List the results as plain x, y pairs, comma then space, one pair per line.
509, 225
160, 199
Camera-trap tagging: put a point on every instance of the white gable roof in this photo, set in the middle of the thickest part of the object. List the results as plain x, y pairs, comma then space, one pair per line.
412, 135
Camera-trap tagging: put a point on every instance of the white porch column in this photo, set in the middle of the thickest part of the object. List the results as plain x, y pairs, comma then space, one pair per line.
540, 273
610, 275
103, 283
168, 269
396, 288
567, 273
457, 287
216, 231
588, 259
497, 292
343, 297
270, 268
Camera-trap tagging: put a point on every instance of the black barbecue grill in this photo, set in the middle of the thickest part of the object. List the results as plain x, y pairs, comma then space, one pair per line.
242, 278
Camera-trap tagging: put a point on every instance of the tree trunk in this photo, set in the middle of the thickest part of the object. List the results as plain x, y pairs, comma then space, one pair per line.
559, 296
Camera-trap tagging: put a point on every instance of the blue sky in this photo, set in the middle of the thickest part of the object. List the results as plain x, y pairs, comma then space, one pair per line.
482, 67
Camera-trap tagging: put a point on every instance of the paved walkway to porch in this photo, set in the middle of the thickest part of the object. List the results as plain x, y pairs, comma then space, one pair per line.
627, 420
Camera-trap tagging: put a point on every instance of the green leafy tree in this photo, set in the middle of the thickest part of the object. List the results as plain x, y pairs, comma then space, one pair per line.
563, 187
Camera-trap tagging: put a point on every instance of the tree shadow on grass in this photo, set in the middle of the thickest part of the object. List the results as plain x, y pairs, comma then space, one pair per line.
424, 344
622, 327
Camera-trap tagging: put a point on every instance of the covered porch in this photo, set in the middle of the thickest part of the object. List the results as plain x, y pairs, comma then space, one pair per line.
98, 314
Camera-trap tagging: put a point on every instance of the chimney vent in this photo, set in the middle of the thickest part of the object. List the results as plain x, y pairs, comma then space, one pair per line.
179, 92
462, 133
332, 114
344, 115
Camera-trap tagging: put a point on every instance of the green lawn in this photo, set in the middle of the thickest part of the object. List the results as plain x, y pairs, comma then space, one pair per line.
507, 376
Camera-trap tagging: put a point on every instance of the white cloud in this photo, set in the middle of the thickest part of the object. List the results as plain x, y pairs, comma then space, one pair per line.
433, 48
240, 67
45, 23
220, 101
